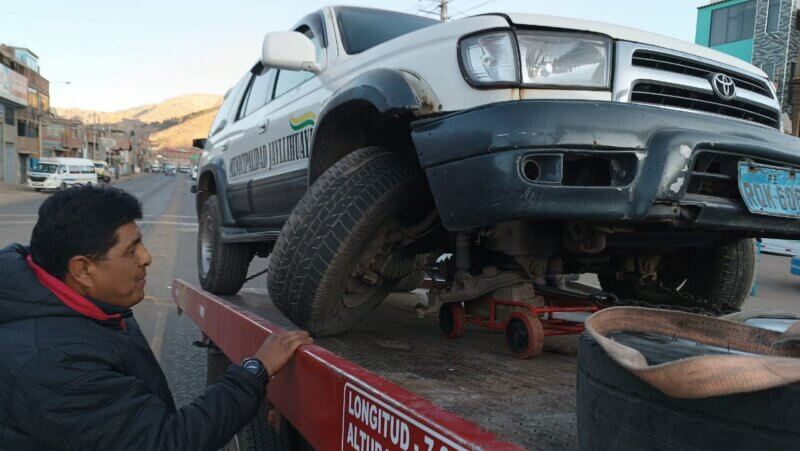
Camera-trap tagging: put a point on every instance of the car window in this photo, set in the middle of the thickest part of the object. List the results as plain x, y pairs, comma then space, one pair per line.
74, 169
87, 169
290, 79
364, 28
258, 93
224, 111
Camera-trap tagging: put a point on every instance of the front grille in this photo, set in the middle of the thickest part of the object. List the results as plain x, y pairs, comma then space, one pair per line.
37, 179
676, 64
658, 94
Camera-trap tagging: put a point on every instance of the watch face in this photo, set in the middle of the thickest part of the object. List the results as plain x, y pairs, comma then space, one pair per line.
252, 365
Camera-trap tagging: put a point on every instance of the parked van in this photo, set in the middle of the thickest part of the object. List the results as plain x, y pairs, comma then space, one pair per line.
60, 173
103, 171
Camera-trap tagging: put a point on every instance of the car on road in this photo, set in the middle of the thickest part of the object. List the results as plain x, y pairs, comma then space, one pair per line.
170, 169
103, 171
526, 146
156, 168
61, 173
194, 173
184, 168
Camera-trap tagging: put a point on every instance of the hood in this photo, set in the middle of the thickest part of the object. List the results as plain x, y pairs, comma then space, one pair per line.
631, 34
21, 294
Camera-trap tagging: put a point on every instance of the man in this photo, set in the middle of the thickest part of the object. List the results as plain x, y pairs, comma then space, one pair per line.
76, 371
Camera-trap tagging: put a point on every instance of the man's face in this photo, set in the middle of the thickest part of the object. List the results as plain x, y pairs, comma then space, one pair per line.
119, 278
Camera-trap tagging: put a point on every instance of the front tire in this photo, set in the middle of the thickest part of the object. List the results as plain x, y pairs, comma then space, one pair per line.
327, 268
221, 267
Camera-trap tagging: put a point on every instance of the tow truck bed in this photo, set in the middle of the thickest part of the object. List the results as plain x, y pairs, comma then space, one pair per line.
505, 401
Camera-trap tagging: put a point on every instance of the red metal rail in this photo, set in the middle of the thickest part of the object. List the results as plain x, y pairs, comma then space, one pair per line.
334, 403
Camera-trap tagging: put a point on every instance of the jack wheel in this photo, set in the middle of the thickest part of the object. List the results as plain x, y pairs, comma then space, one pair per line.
453, 319
524, 335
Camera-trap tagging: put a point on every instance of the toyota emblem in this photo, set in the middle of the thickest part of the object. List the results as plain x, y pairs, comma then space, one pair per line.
723, 86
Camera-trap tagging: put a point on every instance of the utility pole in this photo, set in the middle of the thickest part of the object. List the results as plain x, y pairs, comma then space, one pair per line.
443, 10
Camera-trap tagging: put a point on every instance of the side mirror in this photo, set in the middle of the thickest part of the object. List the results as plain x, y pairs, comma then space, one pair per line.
289, 50
200, 143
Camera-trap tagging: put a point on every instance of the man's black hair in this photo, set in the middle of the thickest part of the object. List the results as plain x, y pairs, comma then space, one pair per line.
81, 220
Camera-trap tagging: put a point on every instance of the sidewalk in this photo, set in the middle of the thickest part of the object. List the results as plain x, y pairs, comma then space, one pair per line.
13, 187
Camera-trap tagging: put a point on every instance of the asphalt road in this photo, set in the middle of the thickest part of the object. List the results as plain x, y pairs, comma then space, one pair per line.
170, 232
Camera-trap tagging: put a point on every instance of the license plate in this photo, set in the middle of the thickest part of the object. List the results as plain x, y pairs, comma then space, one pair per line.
770, 190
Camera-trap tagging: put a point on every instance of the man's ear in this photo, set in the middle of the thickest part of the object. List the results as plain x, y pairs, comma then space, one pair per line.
79, 269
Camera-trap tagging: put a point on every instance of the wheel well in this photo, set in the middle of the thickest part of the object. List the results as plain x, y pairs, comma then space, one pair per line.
355, 125
206, 186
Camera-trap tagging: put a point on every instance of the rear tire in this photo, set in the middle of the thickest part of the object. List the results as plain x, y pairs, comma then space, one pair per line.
221, 267
332, 240
721, 274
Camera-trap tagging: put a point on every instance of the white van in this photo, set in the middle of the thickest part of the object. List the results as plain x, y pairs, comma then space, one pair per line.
61, 173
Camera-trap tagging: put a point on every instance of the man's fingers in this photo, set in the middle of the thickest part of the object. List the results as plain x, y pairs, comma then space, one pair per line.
296, 342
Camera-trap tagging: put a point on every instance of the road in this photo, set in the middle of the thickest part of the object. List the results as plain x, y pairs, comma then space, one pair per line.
170, 231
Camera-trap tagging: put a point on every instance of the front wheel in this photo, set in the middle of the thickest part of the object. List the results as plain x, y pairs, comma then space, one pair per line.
329, 267
221, 267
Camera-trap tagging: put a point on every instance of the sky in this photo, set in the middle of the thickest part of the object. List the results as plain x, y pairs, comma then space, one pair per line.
123, 53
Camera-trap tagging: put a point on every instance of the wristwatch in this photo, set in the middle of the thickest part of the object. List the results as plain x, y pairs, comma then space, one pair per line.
256, 368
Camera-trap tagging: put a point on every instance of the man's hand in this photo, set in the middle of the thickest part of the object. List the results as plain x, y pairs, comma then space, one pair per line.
279, 347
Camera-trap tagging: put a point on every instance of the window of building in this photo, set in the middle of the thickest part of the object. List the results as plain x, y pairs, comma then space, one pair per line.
33, 98
769, 68
733, 23
9, 115
45, 102
27, 129
773, 16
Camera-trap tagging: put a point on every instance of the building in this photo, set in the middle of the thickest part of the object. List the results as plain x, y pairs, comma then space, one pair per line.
28, 144
761, 32
62, 137
13, 98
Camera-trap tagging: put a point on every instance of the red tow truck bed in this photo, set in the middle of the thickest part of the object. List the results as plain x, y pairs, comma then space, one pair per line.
395, 382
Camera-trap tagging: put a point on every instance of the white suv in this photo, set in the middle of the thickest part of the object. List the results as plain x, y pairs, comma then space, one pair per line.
364, 143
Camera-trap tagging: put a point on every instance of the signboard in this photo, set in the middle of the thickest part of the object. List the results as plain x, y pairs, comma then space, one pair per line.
13, 86
370, 424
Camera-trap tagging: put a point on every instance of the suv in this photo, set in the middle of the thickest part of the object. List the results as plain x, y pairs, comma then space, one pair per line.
364, 144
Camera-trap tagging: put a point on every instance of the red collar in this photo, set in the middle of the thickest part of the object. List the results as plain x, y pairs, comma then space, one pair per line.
70, 297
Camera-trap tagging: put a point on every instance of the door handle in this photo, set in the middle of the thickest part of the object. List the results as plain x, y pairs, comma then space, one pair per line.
263, 127
225, 145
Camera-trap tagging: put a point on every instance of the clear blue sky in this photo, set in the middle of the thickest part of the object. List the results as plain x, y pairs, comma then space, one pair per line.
124, 53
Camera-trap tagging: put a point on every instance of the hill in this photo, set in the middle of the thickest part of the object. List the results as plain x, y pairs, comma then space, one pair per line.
173, 108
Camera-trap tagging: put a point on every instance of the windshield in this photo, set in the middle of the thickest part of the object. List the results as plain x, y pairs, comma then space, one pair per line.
49, 168
98, 165
364, 28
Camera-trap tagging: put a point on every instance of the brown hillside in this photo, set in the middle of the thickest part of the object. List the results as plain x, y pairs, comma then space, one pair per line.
174, 108
182, 134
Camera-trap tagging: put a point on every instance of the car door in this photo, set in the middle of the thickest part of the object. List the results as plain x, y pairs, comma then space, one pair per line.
292, 114
250, 161
229, 143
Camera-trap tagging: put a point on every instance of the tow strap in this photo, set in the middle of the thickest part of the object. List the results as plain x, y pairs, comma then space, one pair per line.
773, 360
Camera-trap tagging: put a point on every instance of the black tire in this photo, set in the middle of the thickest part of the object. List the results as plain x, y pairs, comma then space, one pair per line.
221, 267
721, 274
616, 410
329, 230
258, 435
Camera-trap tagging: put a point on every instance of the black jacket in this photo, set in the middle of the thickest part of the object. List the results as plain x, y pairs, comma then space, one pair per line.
71, 382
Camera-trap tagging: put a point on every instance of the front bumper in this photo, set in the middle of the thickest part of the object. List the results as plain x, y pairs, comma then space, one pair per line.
641, 164
47, 184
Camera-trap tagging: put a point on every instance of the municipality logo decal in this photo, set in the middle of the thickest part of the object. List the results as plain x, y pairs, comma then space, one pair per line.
301, 122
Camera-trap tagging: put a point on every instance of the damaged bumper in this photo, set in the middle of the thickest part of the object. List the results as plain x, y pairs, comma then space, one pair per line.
597, 161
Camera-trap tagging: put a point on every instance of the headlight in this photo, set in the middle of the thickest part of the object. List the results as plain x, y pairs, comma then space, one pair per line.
564, 59
543, 58
490, 58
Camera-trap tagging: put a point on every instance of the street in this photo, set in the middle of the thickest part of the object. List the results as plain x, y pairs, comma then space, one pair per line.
170, 230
